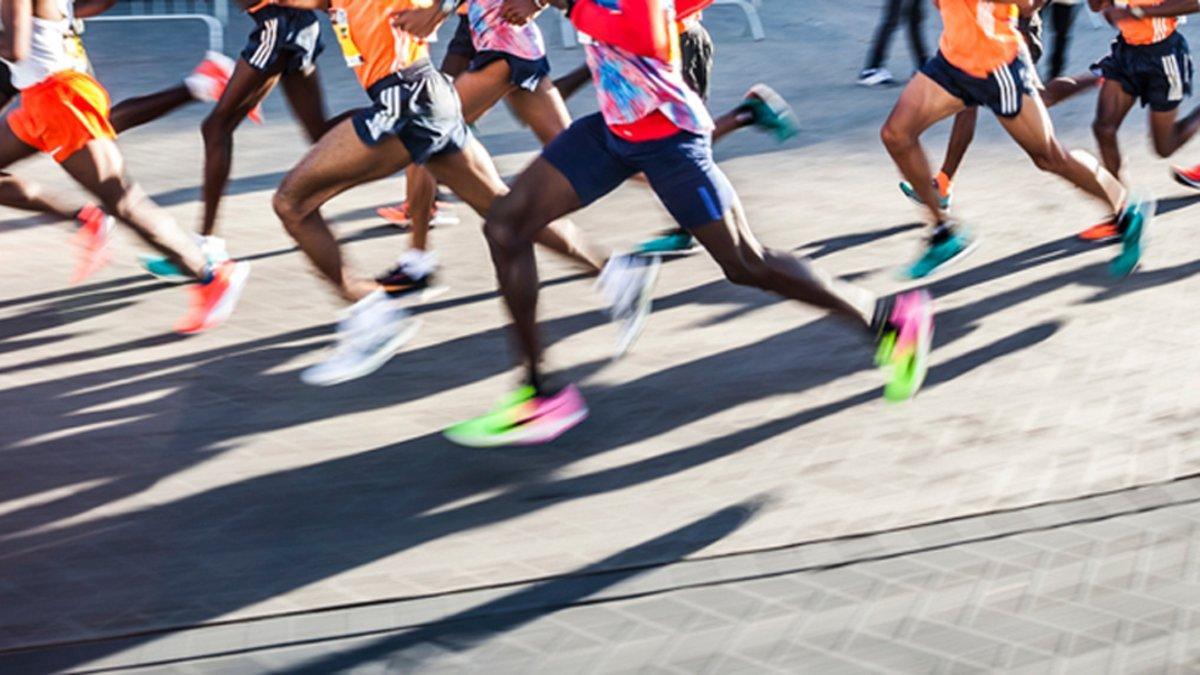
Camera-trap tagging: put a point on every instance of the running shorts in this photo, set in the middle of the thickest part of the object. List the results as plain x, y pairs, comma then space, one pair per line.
7, 91
696, 53
1001, 90
1031, 29
524, 73
61, 114
462, 44
1159, 74
679, 168
419, 106
284, 40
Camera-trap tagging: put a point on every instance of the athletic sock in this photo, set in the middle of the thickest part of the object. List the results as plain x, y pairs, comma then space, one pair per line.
209, 273
942, 232
943, 183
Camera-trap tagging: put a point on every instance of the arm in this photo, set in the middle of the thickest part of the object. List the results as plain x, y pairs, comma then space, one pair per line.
1099, 5
294, 4
86, 8
639, 26
1168, 8
17, 16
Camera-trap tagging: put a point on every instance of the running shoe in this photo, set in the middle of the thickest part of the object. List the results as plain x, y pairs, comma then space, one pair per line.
946, 250
904, 343
413, 277
93, 240
670, 243
213, 302
1135, 220
1189, 177
874, 77
369, 334
944, 196
627, 283
771, 112
1101, 232
522, 418
163, 269
443, 215
210, 77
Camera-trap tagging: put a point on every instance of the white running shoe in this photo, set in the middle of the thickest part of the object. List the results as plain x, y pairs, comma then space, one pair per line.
369, 334
627, 283
873, 77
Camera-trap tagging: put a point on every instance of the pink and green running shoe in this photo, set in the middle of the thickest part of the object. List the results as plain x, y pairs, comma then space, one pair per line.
904, 345
522, 418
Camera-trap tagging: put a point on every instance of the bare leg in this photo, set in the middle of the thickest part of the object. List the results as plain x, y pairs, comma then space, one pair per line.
1034, 132
338, 162
24, 194
100, 169
570, 83
1062, 88
247, 88
542, 109
1169, 134
1112, 106
134, 112
961, 136
922, 104
303, 93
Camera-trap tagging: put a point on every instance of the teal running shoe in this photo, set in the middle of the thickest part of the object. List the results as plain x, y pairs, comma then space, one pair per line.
160, 268
940, 254
772, 113
673, 243
904, 345
1134, 220
943, 198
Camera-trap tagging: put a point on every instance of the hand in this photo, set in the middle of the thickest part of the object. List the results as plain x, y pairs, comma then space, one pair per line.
419, 22
519, 12
1113, 14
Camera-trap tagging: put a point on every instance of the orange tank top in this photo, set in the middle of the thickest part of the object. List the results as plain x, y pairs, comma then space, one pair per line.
979, 36
371, 45
1148, 30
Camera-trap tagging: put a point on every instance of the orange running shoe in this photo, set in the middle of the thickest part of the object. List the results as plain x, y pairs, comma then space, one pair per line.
213, 302
93, 240
443, 214
210, 77
1189, 177
1106, 231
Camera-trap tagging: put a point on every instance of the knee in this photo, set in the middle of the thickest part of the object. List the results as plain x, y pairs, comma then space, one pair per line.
1053, 159
288, 208
895, 138
1164, 147
215, 126
499, 227
1104, 130
750, 271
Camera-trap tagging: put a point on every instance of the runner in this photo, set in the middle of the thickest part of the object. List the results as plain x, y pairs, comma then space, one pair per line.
963, 132
651, 122
282, 49
64, 113
415, 118
980, 63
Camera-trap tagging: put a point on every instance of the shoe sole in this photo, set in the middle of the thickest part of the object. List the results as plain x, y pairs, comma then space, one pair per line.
632, 327
169, 278
1185, 181
949, 262
545, 434
1118, 268
370, 365
225, 306
674, 253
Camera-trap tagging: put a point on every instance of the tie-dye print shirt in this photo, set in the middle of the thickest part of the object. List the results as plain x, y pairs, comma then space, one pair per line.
631, 87
490, 32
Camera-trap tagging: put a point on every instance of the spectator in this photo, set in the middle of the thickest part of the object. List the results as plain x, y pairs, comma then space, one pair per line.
912, 12
1062, 17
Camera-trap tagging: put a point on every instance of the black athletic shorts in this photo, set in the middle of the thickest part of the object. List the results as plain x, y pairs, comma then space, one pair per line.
419, 106
696, 53
461, 43
1160, 75
284, 40
7, 91
1001, 90
524, 73
1031, 29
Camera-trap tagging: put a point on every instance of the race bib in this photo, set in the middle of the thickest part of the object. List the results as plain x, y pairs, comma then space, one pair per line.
341, 30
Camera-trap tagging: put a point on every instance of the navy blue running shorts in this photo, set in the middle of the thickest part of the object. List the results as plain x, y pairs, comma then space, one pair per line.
680, 169
284, 40
419, 106
524, 73
1001, 90
1159, 75
462, 44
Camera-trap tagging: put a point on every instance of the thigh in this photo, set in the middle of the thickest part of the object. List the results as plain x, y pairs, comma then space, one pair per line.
100, 168
480, 90
1031, 128
922, 104
471, 175
542, 109
303, 91
1113, 103
340, 160
247, 87
12, 149
583, 156
540, 195
729, 240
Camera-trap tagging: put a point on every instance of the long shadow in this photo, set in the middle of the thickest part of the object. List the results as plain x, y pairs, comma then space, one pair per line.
236, 186
1170, 204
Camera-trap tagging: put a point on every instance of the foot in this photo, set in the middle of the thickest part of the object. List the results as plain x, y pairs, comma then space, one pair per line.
771, 112
944, 190
165, 270
524, 417
905, 337
370, 333
874, 77
210, 77
92, 238
1134, 222
442, 215
670, 243
1101, 232
627, 282
1189, 177
413, 277
949, 244
213, 302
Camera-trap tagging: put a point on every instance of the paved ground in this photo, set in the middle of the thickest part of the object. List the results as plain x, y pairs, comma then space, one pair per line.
155, 482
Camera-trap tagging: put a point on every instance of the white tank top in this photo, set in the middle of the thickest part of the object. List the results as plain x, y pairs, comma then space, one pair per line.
54, 47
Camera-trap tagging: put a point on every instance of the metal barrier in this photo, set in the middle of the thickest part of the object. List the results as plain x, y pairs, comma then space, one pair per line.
216, 33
